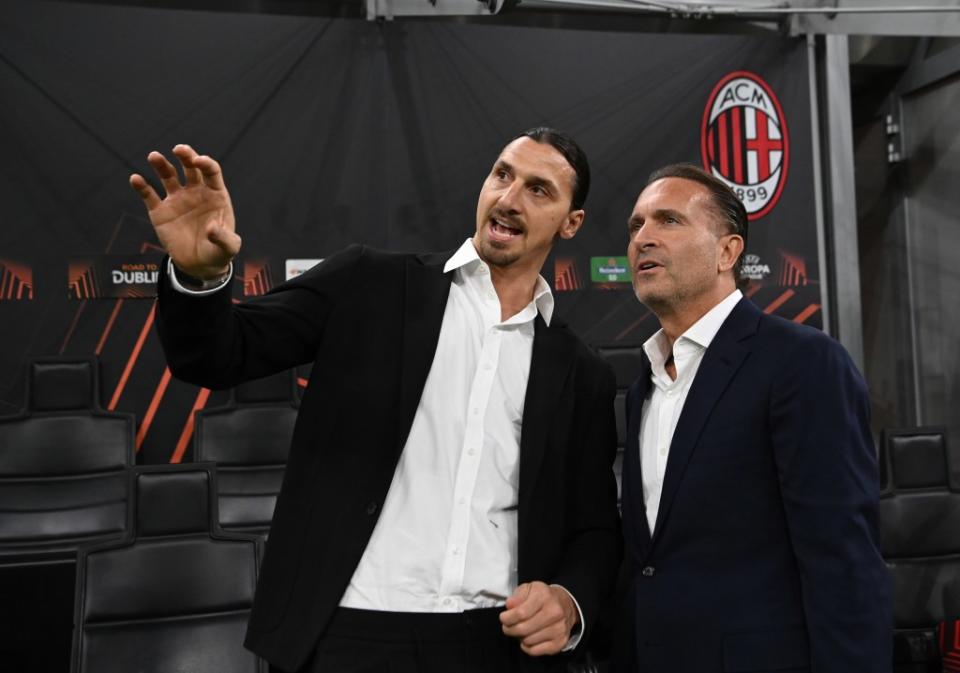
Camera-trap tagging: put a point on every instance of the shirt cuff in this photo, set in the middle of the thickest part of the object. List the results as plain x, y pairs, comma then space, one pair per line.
207, 287
574, 637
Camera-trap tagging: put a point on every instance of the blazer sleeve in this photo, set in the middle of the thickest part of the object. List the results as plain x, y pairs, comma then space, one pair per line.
212, 342
593, 547
827, 465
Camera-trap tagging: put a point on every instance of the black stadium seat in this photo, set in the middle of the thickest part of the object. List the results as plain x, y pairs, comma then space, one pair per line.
627, 362
920, 540
176, 593
249, 440
63, 464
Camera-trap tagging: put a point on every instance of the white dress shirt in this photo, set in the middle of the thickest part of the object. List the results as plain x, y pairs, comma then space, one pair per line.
663, 405
446, 539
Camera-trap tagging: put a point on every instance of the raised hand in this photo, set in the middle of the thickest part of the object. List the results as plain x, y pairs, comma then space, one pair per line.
541, 617
194, 222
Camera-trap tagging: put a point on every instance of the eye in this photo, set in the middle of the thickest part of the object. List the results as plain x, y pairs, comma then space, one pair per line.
500, 174
539, 190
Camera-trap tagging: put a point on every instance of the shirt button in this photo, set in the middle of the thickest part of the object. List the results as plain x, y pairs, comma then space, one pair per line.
462, 501
456, 551
488, 366
447, 601
371, 507
672, 392
476, 410
663, 450
470, 452
648, 571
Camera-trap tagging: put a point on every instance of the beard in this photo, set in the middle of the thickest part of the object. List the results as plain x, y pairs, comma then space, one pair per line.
494, 255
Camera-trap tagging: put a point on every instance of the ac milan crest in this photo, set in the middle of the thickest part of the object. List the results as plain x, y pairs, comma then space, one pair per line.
744, 141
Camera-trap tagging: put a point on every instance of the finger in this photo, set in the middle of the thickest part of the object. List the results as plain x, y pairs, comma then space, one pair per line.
187, 155
211, 172
165, 171
552, 632
145, 191
543, 649
544, 619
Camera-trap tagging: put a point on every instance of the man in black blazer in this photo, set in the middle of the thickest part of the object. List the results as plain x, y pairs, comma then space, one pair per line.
750, 481
413, 510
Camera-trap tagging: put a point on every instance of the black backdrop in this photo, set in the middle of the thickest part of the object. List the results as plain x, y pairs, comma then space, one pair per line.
333, 131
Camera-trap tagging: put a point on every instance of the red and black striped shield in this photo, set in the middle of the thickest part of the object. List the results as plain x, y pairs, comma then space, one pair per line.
744, 140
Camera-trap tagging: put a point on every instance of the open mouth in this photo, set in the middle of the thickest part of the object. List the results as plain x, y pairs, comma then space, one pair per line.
502, 230
647, 266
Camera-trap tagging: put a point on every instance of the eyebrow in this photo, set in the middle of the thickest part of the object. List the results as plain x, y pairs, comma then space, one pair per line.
531, 180
659, 214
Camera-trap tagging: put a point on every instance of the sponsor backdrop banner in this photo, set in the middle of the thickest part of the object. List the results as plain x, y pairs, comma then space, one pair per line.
334, 131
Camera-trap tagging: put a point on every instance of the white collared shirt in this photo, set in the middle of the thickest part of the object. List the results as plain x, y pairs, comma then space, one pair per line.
663, 405
446, 540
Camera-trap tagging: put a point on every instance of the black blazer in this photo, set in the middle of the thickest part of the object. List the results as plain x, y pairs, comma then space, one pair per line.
764, 556
370, 321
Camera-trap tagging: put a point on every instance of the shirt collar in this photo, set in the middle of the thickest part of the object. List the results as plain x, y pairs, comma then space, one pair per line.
700, 333
467, 259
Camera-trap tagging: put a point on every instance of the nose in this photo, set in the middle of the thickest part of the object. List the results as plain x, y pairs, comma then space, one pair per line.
641, 239
509, 200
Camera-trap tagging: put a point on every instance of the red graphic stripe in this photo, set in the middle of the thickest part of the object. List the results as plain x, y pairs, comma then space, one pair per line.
711, 151
633, 326
187, 433
73, 326
806, 313
134, 355
152, 409
724, 156
778, 302
106, 330
737, 129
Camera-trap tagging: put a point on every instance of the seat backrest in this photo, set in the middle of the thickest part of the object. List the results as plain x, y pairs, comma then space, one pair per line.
249, 440
627, 363
175, 594
920, 525
63, 465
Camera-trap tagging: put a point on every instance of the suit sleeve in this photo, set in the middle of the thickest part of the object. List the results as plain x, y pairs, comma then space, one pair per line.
212, 342
593, 546
827, 466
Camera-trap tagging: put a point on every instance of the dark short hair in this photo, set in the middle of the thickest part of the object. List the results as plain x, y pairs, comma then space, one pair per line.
729, 209
575, 156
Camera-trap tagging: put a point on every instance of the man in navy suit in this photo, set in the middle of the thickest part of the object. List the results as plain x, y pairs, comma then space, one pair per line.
750, 482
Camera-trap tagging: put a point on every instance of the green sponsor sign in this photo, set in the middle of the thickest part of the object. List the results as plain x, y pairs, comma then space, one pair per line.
609, 270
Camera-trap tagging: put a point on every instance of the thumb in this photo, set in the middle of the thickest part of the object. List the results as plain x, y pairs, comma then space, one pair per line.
223, 238
519, 596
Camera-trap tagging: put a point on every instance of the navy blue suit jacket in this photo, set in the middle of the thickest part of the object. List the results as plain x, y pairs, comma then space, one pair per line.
764, 556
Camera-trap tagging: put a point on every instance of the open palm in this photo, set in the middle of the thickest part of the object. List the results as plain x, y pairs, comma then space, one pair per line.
194, 222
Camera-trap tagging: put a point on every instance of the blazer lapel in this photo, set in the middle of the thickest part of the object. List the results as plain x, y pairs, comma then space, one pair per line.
553, 357
721, 361
631, 492
425, 300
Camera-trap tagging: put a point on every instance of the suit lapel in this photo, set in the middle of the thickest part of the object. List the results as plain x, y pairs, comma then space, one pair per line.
425, 299
553, 357
632, 478
721, 361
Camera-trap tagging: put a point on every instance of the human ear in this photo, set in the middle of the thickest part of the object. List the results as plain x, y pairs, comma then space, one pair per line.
572, 224
731, 247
